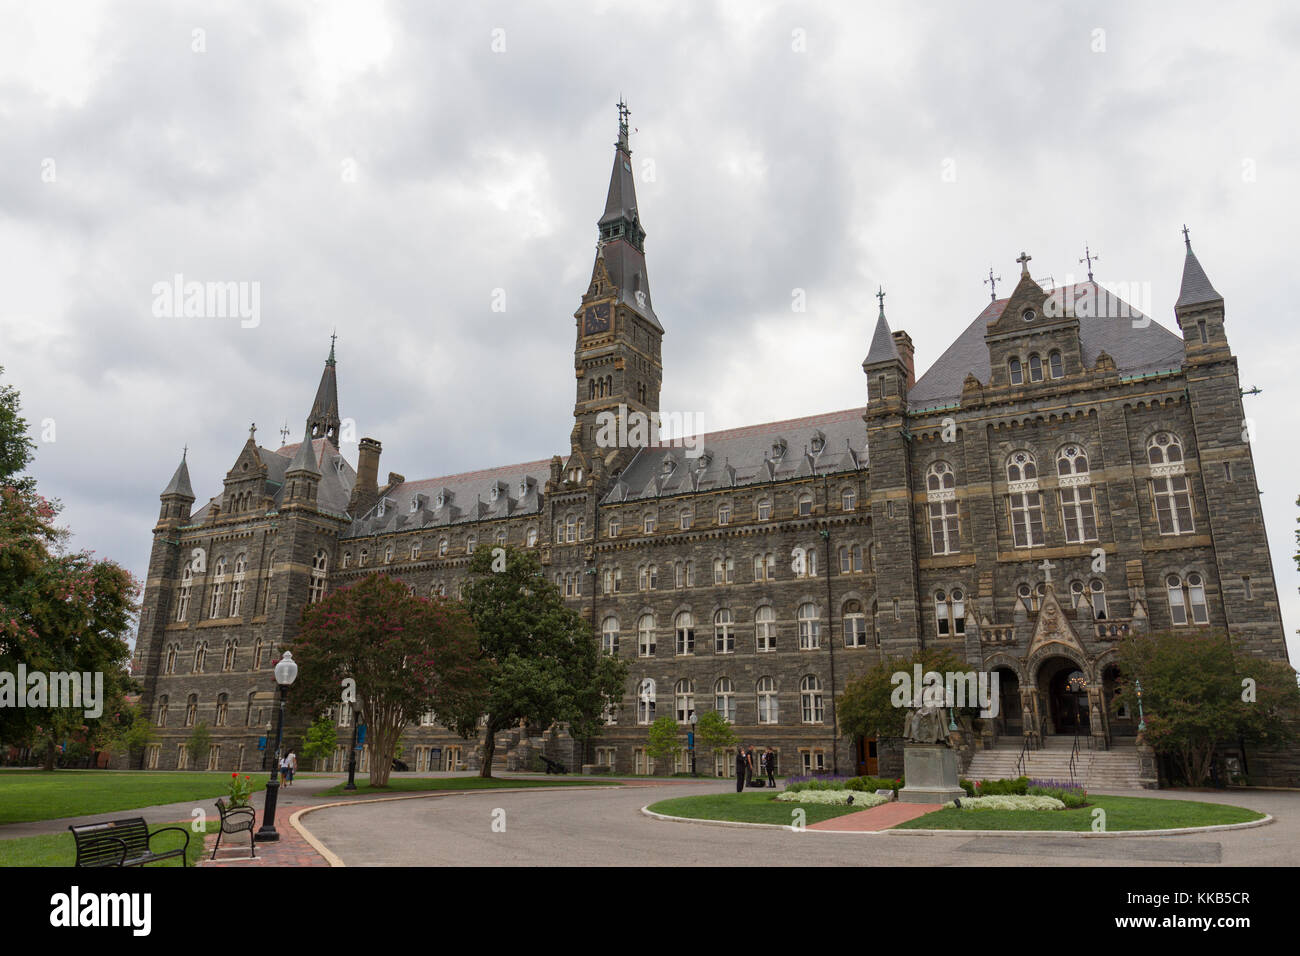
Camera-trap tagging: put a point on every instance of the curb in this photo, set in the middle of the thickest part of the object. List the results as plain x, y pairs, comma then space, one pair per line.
335, 860
1072, 834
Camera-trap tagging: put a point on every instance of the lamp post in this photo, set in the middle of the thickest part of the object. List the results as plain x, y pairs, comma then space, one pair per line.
695, 719
352, 753
1142, 721
286, 672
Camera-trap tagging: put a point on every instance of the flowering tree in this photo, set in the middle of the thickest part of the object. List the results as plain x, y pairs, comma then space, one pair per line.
60, 611
407, 655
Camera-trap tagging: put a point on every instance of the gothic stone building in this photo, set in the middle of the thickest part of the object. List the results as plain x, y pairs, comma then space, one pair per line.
1068, 475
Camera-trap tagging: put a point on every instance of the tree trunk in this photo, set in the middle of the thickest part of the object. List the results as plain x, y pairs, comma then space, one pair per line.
48, 764
489, 751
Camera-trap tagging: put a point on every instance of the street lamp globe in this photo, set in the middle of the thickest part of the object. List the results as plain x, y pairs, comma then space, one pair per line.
286, 672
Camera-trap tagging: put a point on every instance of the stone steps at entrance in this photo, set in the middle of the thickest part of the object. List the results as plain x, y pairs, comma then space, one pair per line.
1116, 769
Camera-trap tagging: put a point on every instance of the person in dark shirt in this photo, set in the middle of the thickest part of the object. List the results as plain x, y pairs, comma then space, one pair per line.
742, 763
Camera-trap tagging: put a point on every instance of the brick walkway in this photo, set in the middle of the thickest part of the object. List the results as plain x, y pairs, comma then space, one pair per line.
290, 850
876, 818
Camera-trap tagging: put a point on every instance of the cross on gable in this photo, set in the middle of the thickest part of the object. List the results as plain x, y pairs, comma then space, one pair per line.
1046, 567
1024, 263
992, 282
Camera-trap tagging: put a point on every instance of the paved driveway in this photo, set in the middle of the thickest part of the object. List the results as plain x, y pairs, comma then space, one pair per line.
603, 827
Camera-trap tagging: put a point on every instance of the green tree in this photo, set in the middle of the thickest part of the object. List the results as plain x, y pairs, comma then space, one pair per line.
866, 707
407, 655
715, 731
663, 740
198, 746
1198, 693
320, 739
538, 658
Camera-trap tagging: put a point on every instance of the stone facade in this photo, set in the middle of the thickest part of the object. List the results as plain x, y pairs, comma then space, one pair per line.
1061, 479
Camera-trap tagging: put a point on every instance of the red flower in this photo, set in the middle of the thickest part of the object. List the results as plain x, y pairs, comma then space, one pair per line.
233, 775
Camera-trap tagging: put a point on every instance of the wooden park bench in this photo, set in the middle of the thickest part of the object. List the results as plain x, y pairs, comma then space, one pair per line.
122, 843
553, 766
236, 820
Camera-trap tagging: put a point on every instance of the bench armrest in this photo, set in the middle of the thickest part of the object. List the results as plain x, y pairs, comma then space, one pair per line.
164, 830
101, 839
252, 814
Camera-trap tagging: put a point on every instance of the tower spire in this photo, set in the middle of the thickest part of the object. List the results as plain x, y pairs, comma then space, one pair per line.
323, 419
1196, 287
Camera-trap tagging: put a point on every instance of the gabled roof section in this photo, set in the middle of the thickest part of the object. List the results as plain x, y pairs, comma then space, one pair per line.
746, 456
304, 459
1196, 288
1136, 342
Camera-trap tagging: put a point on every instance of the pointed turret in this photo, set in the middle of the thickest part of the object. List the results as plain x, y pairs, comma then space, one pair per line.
620, 219
304, 460
886, 371
302, 476
177, 497
323, 419
1196, 288
882, 343
180, 483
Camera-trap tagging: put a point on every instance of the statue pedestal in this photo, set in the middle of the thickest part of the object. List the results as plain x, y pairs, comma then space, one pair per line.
931, 774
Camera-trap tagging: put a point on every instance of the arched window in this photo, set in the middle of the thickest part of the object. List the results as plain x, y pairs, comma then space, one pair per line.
1078, 514
218, 588
810, 628
684, 700
765, 628
645, 702
191, 710
848, 499
1097, 591
388, 555
248, 709
645, 635
855, 624
805, 506
1024, 502
162, 711
764, 509
1035, 368
347, 560
724, 570
950, 613
765, 691
228, 658
724, 699
571, 529
1031, 597
442, 547
183, 595
609, 636
1056, 366
319, 567
257, 654
685, 628
811, 701
363, 557
415, 551
170, 666
1187, 600
941, 499
685, 519
471, 543
1016, 372
724, 633
501, 538
200, 656
223, 708
1170, 498
530, 539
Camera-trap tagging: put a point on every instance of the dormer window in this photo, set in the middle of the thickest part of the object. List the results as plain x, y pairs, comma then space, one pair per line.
495, 493
441, 500
818, 442
778, 449
523, 488
379, 512
668, 465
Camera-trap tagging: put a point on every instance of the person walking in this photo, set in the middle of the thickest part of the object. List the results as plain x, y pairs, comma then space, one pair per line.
769, 764
293, 766
284, 770
741, 764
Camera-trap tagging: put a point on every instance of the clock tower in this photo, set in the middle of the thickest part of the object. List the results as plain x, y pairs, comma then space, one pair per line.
617, 358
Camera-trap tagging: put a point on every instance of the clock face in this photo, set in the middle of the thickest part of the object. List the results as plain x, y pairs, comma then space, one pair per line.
596, 319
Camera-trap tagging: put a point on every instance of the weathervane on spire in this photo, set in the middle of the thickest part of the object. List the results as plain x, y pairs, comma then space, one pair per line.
623, 114
333, 335
1187, 238
1089, 258
284, 434
880, 294
992, 282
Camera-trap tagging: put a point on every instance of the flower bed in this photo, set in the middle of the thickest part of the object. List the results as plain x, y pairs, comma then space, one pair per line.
1008, 802
837, 798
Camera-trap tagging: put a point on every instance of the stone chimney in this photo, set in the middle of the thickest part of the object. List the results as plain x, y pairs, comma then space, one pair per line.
366, 490
903, 342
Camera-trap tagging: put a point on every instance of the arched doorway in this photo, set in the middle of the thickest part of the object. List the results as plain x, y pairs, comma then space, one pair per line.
1068, 700
1010, 717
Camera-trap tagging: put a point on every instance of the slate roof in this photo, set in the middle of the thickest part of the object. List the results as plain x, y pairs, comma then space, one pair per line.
1196, 286
180, 483
882, 344
470, 496
819, 444
620, 202
332, 493
1137, 344
627, 271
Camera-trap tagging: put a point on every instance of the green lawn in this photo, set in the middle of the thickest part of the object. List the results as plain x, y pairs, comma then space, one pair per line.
1122, 813
58, 849
746, 808
27, 795
419, 784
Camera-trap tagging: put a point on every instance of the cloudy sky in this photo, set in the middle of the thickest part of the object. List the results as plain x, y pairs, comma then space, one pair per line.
392, 170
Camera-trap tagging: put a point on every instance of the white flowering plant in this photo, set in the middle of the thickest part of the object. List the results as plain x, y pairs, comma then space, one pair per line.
1008, 802
837, 798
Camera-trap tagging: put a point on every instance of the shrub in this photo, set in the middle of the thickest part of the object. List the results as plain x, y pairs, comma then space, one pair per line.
1009, 802
797, 783
1072, 797
837, 798
1003, 788
968, 786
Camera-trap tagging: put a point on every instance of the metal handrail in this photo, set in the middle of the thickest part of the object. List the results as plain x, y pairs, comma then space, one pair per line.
1024, 753
1074, 758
